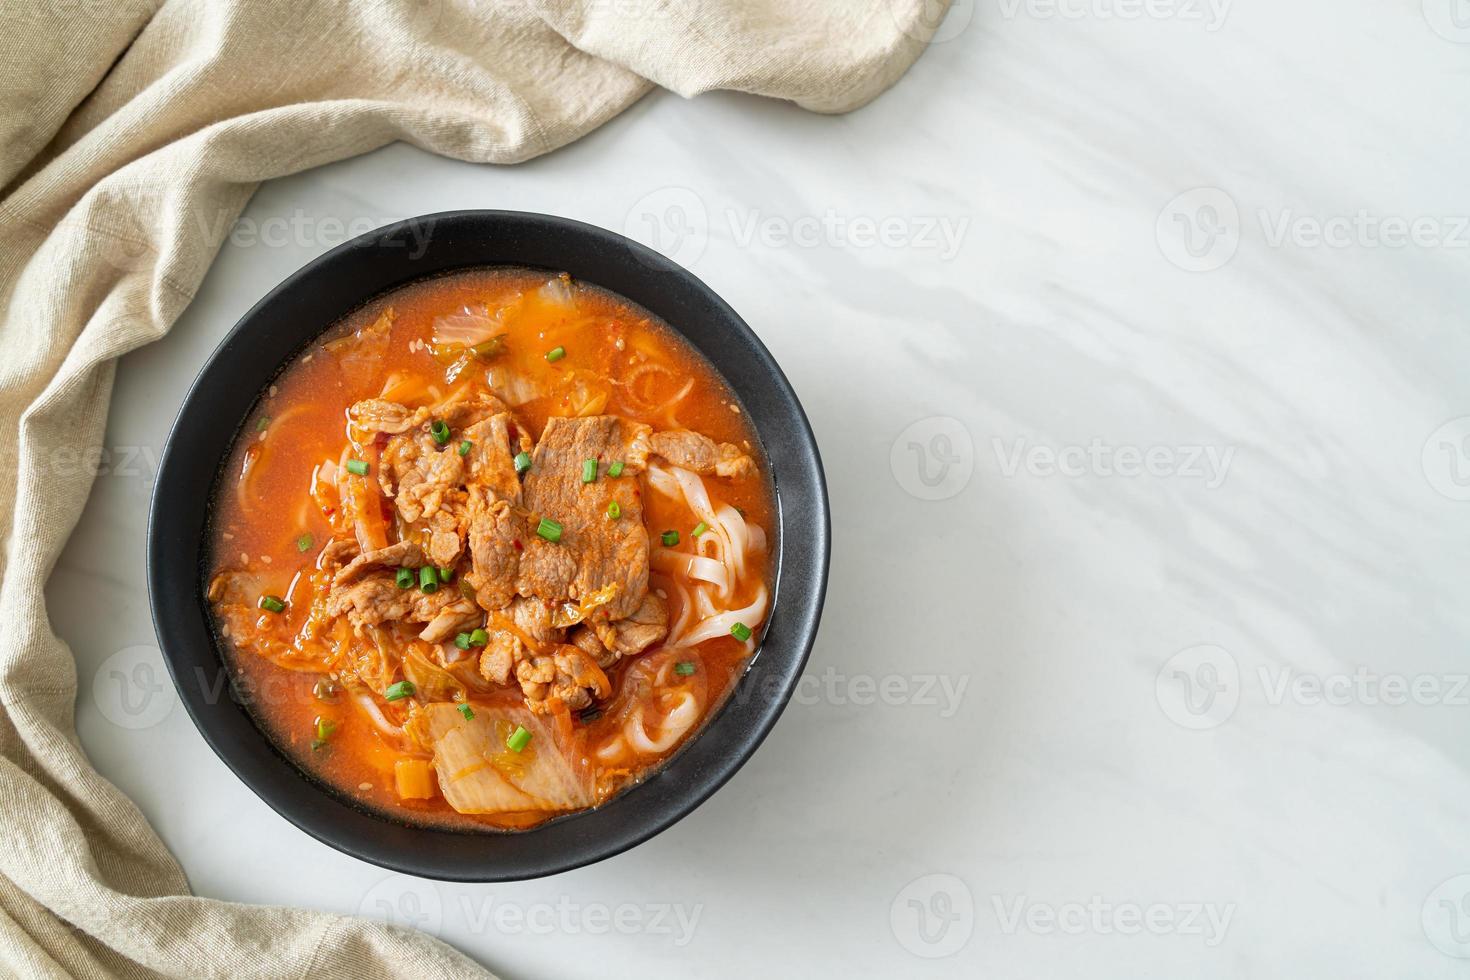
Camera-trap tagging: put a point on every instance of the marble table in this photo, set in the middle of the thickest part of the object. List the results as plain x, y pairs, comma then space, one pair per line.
1133, 334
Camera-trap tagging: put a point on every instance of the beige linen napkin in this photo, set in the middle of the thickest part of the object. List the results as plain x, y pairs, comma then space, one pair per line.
122, 121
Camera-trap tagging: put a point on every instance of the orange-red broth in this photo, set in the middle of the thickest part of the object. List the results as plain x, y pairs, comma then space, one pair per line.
261, 513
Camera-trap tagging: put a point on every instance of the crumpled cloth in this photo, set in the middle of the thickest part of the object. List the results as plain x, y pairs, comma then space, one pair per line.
123, 121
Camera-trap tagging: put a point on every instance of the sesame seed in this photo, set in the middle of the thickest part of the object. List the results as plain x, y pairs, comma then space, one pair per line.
266, 559
364, 785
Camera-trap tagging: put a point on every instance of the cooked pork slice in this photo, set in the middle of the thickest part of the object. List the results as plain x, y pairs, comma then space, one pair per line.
472, 410
494, 443
404, 554
371, 599
378, 415
522, 627
648, 625
433, 482
496, 537
568, 676
584, 638
338, 552
593, 551
700, 453
446, 535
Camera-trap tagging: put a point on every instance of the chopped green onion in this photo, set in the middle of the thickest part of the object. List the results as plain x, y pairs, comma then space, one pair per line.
519, 739
462, 641
263, 423
399, 691
614, 510
556, 354
305, 542
467, 711
429, 579
615, 468
357, 466
404, 578
740, 631
317, 744
324, 728
589, 470
670, 538
445, 574
683, 668
549, 529
271, 603
523, 462
699, 529
440, 431
479, 638
465, 447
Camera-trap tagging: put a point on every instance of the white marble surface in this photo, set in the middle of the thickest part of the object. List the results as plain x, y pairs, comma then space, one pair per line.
1095, 707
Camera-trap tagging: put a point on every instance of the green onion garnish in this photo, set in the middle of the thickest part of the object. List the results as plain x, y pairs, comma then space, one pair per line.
465, 447
404, 578
271, 603
399, 691
670, 538
479, 638
324, 729
357, 466
683, 668
589, 470
263, 423
523, 462
429, 579
440, 431
740, 631
462, 641
615, 468
556, 354
614, 510
549, 529
304, 542
699, 529
519, 739
467, 711
445, 574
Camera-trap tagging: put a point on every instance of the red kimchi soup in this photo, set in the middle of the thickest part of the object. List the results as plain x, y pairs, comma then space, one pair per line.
491, 550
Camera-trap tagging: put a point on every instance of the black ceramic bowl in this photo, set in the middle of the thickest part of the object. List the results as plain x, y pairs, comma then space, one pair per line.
294, 314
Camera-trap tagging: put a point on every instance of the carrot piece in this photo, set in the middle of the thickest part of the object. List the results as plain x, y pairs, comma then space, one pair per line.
414, 779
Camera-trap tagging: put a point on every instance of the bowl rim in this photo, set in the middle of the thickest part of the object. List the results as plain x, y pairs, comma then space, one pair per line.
758, 699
